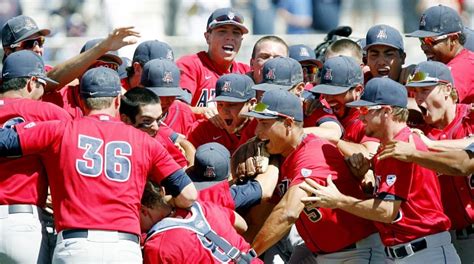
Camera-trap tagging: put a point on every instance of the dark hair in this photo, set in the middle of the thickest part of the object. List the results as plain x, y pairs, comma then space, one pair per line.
462, 38
13, 84
152, 195
134, 98
268, 38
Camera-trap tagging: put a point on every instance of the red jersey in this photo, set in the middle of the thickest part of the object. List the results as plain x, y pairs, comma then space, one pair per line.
457, 193
204, 131
461, 68
97, 168
66, 98
354, 128
23, 180
218, 193
180, 117
322, 229
180, 245
164, 137
199, 75
421, 211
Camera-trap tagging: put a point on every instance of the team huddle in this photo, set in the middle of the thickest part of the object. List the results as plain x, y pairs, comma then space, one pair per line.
293, 158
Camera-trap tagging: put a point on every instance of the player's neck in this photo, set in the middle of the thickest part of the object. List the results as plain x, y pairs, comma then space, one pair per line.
14, 94
448, 116
106, 111
295, 140
390, 133
220, 64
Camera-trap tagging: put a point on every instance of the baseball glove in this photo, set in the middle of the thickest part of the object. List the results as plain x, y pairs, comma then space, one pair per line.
250, 159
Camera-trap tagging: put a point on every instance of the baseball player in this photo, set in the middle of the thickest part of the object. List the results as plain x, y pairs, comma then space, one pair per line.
97, 175
265, 48
23, 181
234, 96
207, 234
436, 96
163, 77
306, 156
287, 73
406, 208
441, 35
306, 57
199, 72
342, 82
141, 108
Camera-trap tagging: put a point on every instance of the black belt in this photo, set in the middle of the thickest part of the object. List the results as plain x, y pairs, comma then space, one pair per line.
405, 250
20, 208
83, 233
465, 232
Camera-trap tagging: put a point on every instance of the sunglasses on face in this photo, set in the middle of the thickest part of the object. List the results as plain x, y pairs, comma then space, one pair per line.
110, 65
364, 110
30, 43
262, 108
423, 77
432, 41
310, 69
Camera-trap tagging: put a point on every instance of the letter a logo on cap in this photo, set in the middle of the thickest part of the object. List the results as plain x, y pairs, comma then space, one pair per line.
423, 20
328, 75
270, 74
226, 87
167, 77
231, 15
382, 34
304, 52
210, 172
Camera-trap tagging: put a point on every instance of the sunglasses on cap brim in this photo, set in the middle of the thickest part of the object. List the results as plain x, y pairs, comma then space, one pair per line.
29, 43
423, 77
262, 108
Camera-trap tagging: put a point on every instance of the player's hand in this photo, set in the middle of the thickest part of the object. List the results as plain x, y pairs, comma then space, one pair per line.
400, 150
368, 183
120, 37
323, 196
358, 164
211, 114
250, 159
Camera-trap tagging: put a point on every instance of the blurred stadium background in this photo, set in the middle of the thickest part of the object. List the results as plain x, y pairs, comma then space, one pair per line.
181, 23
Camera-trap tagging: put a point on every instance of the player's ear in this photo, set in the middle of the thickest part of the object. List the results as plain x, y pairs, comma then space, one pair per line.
30, 84
299, 89
125, 119
207, 36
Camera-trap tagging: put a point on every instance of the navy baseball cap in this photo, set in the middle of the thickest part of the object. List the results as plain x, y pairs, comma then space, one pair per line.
162, 77
226, 16
383, 35
100, 82
152, 49
112, 54
24, 63
338, 75
278, 103
430, 73
303, 53
436, 21
382, 91
234, 87
211, 165
20, 28
122, 69
282, 73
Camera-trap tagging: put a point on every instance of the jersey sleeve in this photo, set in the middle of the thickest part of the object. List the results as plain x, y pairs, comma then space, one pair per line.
188, 74
38, 137
163, 165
